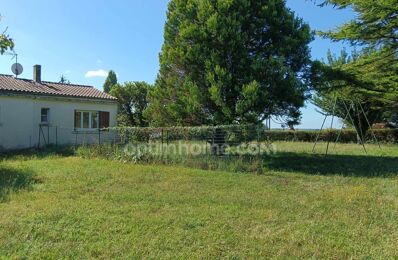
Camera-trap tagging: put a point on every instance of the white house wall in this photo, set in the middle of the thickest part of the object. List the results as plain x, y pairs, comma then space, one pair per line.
20, 118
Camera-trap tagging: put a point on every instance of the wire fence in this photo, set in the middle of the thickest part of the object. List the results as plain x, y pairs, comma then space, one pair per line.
209, 140
213, 140
59, 136
216, 141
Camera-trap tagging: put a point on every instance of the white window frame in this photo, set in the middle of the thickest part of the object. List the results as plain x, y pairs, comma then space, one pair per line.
90, 112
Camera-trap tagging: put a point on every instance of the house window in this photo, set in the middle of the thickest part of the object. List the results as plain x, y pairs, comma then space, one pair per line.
94, 120
45, 115
78, 120
86, 119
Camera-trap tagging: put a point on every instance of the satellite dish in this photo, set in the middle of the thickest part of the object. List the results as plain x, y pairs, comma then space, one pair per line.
17, 69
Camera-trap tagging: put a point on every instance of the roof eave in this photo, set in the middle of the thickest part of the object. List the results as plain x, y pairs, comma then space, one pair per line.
27, 93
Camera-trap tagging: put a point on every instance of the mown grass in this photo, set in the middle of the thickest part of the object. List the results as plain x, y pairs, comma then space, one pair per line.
93, 208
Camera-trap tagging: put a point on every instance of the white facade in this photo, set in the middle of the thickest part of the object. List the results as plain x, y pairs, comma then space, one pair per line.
21, 119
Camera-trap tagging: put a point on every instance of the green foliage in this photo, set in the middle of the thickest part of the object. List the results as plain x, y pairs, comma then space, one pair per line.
141, 155
225, 62
375, 25
237, 135
374, 72
110, 81
365, 84
388, 136
132, 98
233, 133
6, 43
14, 180
361, 102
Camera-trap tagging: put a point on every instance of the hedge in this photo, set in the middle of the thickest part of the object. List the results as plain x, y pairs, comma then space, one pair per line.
235, 133
247, 133
346, 136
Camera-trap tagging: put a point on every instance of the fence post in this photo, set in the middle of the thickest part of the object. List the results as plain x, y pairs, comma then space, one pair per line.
56, 136
258, 141
162, 133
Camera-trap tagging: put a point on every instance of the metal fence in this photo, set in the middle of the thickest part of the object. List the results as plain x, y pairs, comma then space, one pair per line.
211, 140
57, 136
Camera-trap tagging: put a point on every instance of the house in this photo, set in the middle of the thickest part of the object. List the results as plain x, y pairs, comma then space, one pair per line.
35, 112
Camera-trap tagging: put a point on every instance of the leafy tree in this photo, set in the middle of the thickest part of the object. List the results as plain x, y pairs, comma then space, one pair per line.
226, 62
370, 77
110, 81
341, 95
375, 25
6, 43
132, 98
376, 29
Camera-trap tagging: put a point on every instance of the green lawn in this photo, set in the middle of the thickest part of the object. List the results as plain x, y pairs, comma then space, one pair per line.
304, 205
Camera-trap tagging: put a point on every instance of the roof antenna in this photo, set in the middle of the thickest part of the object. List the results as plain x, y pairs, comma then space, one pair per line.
16, 68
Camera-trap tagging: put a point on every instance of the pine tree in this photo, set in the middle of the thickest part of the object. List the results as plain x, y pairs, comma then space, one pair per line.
375, 25
110, 81
373, 74
346, 98
226, 62
375, 29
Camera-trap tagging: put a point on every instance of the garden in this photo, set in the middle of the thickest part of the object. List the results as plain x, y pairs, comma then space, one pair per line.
62, 203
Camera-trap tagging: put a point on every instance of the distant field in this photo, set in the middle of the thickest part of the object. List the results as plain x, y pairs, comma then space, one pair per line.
304, 205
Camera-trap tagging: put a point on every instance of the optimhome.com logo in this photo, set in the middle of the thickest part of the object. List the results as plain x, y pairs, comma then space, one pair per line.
182, 148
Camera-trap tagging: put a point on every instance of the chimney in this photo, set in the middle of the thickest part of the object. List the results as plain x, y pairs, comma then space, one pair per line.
37, 73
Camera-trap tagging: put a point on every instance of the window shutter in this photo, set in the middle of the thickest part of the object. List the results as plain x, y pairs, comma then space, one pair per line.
104, 119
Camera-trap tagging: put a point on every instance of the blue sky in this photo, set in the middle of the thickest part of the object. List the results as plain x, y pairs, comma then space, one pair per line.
80, 39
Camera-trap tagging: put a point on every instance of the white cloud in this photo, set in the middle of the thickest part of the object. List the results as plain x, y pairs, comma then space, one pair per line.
96, 73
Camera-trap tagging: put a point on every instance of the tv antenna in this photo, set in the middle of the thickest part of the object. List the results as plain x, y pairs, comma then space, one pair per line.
16, 68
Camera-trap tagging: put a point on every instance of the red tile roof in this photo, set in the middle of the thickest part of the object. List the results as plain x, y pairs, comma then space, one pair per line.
11, 84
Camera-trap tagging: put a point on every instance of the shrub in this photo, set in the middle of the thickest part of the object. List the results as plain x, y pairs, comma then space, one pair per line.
346, 136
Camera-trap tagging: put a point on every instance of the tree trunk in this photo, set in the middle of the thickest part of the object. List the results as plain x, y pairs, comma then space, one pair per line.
361, 127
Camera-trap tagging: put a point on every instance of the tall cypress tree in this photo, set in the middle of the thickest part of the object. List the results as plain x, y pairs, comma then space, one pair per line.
110, 81
225, 62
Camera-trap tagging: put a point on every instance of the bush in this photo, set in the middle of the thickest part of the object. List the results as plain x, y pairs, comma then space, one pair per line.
236, 134
346, 136
242, 163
